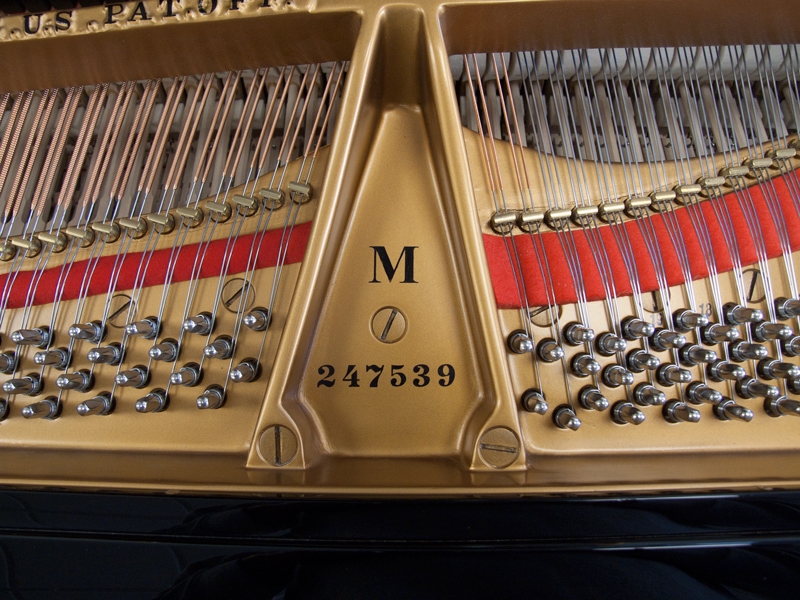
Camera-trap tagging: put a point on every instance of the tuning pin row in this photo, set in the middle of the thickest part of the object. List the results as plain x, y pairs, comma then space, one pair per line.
638, 360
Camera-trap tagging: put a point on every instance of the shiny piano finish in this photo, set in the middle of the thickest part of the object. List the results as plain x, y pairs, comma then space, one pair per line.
95, 545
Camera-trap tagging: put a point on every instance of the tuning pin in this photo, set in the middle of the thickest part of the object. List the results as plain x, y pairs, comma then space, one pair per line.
201, 324
793, 385
591, 398
565, 418
787, 308
137, 377
247, 370
717, 334
678, 412
91, 332
213, 397
625, 412
583, 365
221, 348
533, 401
769, 369
188, 375
81, 381
781, 406
765, 331
155, 401
166, 351
686, 320
693, 355
670, 374
38, 337
576, 334
57, 358
736, 314
724, 370
146, 328
749, 388
645, 394
519, 342
614, 376
29, 385
49, 408
790, 347
699, 393
664, 339
608, 344
102, 404
728, 409
105, 355
257, 319
742, 351
633, 328
639, 360
8, 362
549, 351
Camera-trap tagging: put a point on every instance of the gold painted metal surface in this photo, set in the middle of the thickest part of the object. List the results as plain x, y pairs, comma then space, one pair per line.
337, 410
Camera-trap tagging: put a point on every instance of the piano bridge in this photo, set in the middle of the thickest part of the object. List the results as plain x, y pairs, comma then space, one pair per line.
430, 249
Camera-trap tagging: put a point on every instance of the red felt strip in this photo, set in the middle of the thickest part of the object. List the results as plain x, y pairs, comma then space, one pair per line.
157, 269
502, 274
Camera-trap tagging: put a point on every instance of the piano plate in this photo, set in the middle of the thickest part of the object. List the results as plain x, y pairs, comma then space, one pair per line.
339, 166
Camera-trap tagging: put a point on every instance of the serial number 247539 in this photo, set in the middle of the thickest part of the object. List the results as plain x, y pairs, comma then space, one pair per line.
396, 377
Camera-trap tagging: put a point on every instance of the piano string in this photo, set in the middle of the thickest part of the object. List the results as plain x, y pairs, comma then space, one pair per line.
651, 167
113, 163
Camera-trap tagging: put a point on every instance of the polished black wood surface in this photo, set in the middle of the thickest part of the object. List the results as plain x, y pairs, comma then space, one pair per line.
124, 546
